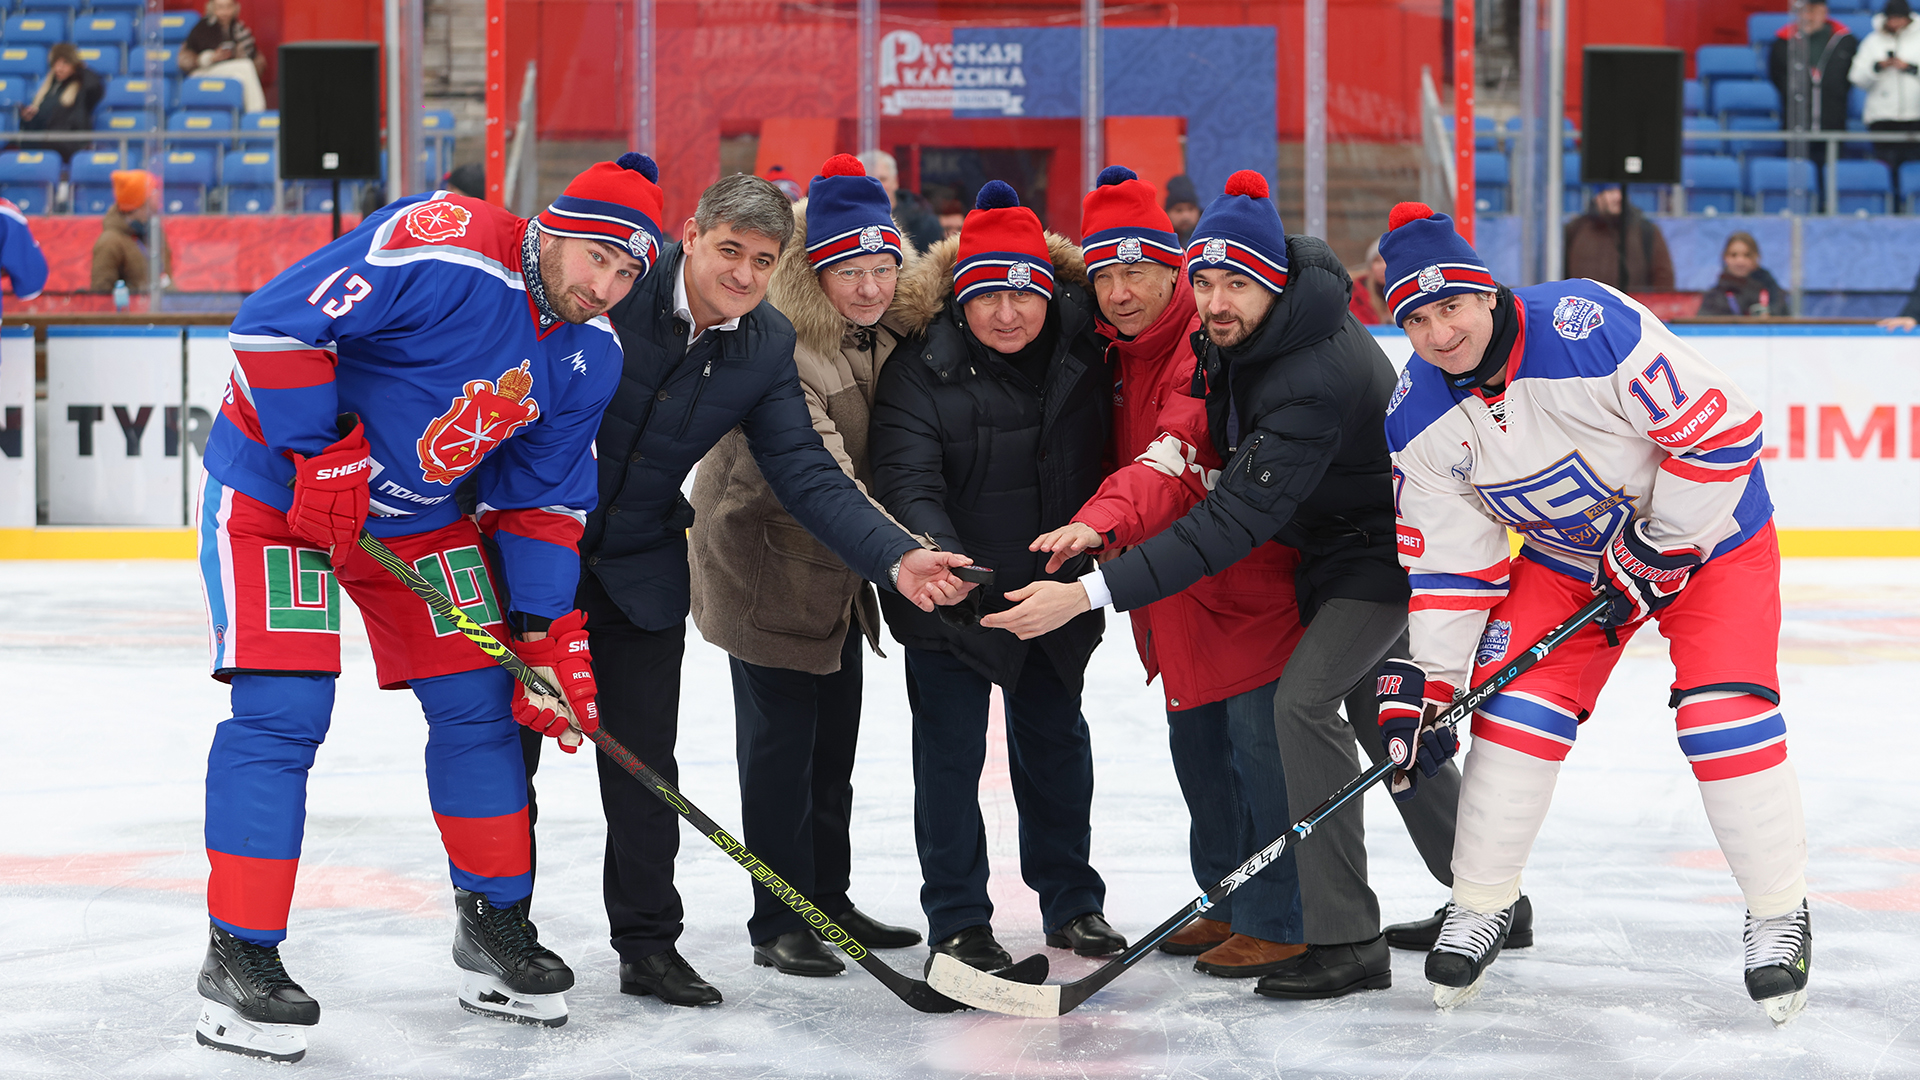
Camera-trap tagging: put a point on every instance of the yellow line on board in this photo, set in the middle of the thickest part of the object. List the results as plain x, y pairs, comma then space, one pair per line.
1834, 543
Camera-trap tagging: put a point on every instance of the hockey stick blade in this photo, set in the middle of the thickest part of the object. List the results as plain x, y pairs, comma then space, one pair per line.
984, 990
915, 992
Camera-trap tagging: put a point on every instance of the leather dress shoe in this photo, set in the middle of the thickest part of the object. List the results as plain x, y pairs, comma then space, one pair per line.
875, 934
1421, 935
1243, 957
667, 976
1087, 935
974, 947
798, 952
1197, 937
1325, 971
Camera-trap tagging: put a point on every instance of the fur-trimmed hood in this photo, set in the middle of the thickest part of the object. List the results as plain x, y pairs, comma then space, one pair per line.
927, 286
795, 292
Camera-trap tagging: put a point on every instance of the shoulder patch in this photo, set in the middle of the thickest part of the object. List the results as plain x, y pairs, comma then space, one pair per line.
1420, 399
1575, 317
436, 222
1400, 388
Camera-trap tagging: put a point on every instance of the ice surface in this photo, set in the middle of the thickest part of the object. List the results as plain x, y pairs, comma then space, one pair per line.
1636, 973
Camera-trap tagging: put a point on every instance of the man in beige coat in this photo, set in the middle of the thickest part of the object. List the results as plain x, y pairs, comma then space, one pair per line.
788, 611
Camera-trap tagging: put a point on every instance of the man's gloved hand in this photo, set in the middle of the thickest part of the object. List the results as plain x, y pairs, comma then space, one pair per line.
564, 661
1407, 728
330, 491
1639, 578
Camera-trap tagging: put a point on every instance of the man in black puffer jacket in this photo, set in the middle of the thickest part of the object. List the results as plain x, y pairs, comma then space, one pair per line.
1296, 396
987, 429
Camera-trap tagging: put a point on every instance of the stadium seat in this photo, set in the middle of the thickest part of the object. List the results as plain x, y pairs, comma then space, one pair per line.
1909, 185
1700, 146
1862, 187
206, 94
1745, 97
1851, 7
15, 91
27, 178
36, 28
166, 61
1573, 198
132, 126
127, 7
1712, 182
1486, 135
105, 60
1753, 147
1768, 184
1715, 62
184, 180
260, 129
1762, 28
249, 179
134, 92
1645, 197
64, 8
1693, 97
24, 60
92, 176
1490, 176
316, 197
176, 25
186, 126
103, 28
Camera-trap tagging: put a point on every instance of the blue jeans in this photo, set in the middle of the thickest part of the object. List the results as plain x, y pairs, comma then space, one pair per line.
1227, 760
1050, 762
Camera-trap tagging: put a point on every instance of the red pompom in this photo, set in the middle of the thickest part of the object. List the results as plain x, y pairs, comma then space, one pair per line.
1247, 182
843, 165
1407, 211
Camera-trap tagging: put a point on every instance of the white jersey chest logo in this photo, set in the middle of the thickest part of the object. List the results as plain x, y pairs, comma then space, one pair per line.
1565, 507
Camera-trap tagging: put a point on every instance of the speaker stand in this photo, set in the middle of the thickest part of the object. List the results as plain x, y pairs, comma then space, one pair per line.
336, 208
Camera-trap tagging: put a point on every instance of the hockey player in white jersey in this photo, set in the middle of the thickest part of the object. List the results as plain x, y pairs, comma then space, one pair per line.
1629, 466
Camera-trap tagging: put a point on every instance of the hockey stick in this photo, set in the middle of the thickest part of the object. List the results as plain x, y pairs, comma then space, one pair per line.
985, 991
914, 992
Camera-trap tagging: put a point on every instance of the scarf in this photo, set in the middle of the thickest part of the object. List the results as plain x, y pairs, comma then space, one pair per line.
1493, 362
530, 273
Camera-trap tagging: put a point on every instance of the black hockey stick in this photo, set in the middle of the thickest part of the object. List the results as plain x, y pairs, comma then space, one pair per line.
914, 992
983, 990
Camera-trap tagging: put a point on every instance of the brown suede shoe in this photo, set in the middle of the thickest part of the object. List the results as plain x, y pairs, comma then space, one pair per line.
1197, 937
1243, 957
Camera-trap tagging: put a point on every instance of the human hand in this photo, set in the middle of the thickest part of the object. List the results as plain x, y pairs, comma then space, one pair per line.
926, 578
1638, 577
1897, 322
1066, 542
1407, 729
1039, 608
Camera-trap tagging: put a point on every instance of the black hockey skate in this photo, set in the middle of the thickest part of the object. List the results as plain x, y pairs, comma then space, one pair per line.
249, 1004
1467, 945
1779, 951
1420, 935
504, 970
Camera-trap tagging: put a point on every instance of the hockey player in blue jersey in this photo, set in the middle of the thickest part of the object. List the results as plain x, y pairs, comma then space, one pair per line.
442, 341
1629, 466
20, 255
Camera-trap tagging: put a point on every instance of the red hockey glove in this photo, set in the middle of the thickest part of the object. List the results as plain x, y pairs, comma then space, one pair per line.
1407, 730
330, 492
1638, 577
563, 659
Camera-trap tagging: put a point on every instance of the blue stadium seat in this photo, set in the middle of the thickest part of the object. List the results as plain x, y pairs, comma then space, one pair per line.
203, 93
1753, 147
260, 129
1712, 63
1645, 197
64, 8
185, 126
1712, 182
316, 196
176, 25
27, 178
1693, 97
103, 28
249, 178
1768, 182
106, 60
437, 125
1850, 6
1490, 176
185, 177
1863, 187
1745, 97
1762, 28
166, 61
1486, 135
1701, 146
24, 60
1573, 197
36, 28
1909, 185
92, 176
134, 92
126, 7
15, 91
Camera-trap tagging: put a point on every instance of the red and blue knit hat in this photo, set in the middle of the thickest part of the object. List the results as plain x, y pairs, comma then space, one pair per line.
848, 215
1002, 248
616, 201
1426, 260
1122, 222
1241, 232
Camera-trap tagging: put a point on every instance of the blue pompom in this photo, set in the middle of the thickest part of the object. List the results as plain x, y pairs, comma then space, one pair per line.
641, 164
1114, 174
996, 195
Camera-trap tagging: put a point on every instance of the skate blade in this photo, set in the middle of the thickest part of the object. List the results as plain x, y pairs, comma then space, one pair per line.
224, 1029
1785, 1007
485, 995
1448, 997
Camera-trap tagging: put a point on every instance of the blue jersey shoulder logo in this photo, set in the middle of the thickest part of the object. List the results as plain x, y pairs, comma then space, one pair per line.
1400, 388
1565, 507
1574, 317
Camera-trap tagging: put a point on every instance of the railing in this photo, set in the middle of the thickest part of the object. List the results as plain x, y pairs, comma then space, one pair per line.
1436, 146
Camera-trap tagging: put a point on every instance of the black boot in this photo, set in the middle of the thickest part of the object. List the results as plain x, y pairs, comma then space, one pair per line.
798, 952
667, 976
1325, 971
974, 947
249, 1004
873, 933
509, 973
1087, 935
1420, 935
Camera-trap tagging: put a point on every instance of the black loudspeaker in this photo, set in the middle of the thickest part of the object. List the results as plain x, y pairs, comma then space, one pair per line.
330, 110
1630, 109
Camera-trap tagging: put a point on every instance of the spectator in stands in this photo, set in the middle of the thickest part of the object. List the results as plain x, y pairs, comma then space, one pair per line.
1182, 206
469, 180
911, 211
1369, 300
779, 177
66, 98
1909, 316
1745, 288
1595, 248
127, 234
221, 46
1887, 67
1830, 51
952, 216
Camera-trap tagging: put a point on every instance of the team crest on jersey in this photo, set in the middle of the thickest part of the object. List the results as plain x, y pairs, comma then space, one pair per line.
871, 239
1215, 251
436, 222
1564, 507
1019, 275
1574, 317
1493, 642
1129, 250
639, 243
1431, 280
482, 417
1400, 389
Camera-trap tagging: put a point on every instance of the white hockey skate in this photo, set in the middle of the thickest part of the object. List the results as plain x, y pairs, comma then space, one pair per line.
1779, 952
1466, 947
505, 972
249, 1005
223, 1028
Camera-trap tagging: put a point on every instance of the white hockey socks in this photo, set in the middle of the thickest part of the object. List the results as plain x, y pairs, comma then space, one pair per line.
1763, 834
1504, 796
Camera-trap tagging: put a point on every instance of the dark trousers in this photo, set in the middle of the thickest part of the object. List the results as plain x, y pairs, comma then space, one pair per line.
794, 736
1896, 154
638, 672
1050, 762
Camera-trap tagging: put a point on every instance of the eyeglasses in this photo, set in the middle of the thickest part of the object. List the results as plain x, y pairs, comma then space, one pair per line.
852, 275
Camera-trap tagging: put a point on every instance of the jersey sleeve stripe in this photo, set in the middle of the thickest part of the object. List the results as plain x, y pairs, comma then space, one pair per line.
289, 370
1438, 582
1732, 455
1734, 435
1704, 476
1454, 602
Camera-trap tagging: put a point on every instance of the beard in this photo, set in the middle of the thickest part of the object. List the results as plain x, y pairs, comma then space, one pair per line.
1229, 335
562, 300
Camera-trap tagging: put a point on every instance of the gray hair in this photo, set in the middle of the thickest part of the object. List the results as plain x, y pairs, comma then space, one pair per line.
879, 161
747, 203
